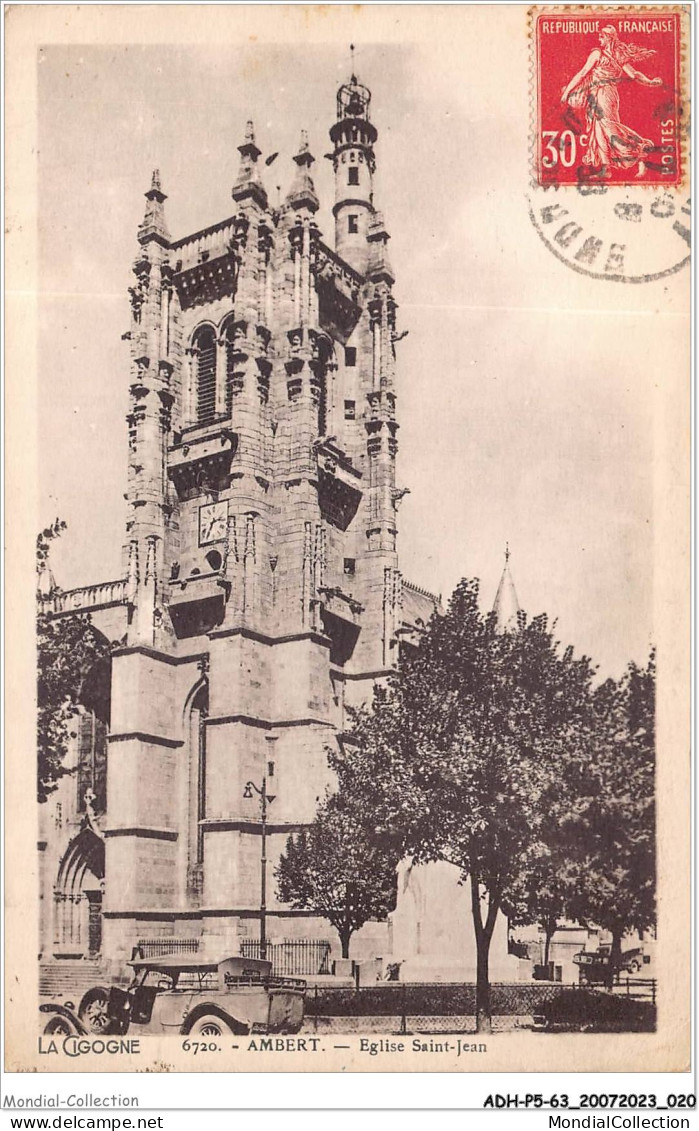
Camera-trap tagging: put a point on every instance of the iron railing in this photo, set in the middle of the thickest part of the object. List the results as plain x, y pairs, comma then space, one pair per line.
642, 989
440, 1007
292, 957
156, 948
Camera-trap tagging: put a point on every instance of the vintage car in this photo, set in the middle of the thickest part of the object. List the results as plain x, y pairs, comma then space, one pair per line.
186, 995
595, 965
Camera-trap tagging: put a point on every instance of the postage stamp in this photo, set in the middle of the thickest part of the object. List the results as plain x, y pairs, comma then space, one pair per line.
609, 106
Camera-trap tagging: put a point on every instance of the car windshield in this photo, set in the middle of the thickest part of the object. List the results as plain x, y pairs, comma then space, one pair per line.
197, 980
192, 979
158, 979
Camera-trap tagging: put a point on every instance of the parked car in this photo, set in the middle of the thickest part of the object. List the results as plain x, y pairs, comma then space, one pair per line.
178, 994
595, 965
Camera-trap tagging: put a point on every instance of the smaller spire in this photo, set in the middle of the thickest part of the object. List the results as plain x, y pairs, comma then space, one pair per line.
304, 156
302, 193
352, 71
249, 183
506, 606
249, 148
155, 192
153, 226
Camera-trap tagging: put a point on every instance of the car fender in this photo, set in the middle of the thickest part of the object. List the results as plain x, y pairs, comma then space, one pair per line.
204, 1007
63, 1011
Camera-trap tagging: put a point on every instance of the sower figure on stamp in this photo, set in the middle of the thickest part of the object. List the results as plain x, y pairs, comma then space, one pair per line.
594, 90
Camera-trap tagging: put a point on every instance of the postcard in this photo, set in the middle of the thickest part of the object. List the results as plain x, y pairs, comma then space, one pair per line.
348, 538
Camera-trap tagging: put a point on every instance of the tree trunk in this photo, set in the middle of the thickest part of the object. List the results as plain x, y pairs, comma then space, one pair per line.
549, 931
484, 1023
484, 933
345, 936
615, 955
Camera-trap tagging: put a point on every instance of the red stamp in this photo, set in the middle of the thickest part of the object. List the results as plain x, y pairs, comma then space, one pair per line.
608, 95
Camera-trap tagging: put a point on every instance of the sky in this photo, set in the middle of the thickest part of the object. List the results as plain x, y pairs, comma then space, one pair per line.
526, 392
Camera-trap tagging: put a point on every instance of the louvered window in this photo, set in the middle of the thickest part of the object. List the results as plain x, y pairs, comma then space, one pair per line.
206, 376
235, 378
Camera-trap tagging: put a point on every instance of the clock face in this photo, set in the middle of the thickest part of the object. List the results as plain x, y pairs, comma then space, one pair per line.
213, 523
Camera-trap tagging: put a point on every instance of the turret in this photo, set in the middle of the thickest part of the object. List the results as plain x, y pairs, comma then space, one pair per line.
153, 226
353, 137
249, 184
302, 193
149, 417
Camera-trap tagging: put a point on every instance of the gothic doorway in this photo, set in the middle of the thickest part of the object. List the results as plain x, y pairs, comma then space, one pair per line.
78, 897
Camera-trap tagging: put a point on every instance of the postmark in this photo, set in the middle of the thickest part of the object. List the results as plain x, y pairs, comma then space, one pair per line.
623, 235
607, 97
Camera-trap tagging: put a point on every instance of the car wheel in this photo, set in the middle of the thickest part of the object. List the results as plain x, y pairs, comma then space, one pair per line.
210, 1025
60, 1026
634, 967
94, 1011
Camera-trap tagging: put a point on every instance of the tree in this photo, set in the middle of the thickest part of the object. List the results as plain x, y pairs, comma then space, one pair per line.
67, 649
459, 758
553, 879
332, 868
545, 890
615, 817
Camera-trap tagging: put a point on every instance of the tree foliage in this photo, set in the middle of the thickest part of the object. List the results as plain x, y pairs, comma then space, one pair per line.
334, 868
461, 757
67, 648
614, 814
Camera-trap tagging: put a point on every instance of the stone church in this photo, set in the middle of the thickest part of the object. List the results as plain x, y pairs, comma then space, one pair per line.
261, 592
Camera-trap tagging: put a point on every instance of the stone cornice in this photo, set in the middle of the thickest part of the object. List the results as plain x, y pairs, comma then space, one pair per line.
144, 736
154, 654
143, 832
242, 825
381, 673
261, 638
250, 720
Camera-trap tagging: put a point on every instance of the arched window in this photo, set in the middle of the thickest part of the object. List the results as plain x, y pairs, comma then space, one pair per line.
92, 730
205, 345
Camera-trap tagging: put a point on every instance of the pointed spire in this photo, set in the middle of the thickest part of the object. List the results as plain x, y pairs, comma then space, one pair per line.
155, 192
379, 266
302, 193
304, 155
153, 226
506, 606
249, 183
249, 147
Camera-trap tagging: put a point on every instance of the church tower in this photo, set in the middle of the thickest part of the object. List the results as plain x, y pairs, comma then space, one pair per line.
261, 590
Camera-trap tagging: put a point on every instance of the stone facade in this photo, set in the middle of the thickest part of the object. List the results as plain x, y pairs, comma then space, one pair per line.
261, 592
